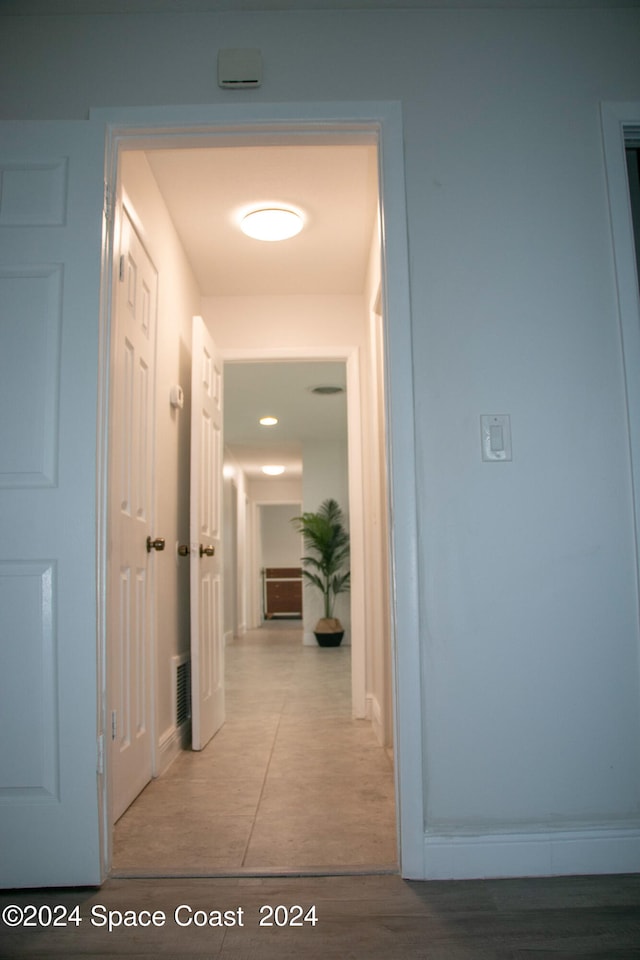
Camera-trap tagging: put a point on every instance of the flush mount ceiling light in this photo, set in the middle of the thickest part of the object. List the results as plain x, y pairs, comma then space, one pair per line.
271, 224
273, 470
268, 421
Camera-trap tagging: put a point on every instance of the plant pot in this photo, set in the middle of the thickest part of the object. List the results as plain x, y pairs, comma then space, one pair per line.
329, 632
329, 639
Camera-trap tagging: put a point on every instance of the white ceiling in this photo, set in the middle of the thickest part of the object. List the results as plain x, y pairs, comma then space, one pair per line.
282, 390
335, 186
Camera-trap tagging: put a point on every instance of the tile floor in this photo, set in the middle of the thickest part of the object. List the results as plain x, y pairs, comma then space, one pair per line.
290, 783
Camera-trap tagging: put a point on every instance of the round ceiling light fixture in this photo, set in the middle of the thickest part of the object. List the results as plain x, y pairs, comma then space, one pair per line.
268, 421
272, 224
273, 470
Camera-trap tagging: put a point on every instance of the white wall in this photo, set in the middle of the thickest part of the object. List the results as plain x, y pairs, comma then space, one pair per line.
281, 545
238, 557
527, 574
275, 490
178, 301
287, 322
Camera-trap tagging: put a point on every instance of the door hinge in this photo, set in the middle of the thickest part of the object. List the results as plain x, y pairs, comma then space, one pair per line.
101, 754
108, 202
114, 724
121, 268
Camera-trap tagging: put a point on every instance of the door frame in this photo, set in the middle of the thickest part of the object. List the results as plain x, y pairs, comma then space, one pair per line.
350, 357
255, 550
381, 123
621, 123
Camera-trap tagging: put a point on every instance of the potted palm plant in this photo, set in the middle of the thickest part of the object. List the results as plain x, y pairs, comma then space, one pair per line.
327, 541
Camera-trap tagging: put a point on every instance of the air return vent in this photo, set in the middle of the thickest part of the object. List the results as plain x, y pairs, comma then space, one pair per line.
183, 690
326, 390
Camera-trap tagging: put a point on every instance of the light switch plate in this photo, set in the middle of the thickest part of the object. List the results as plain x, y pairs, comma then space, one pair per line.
496, 436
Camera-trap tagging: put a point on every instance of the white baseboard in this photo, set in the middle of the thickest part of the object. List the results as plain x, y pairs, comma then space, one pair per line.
562, 853
171, 743
374, 714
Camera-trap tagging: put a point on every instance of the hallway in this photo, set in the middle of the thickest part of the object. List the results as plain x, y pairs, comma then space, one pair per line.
290, 783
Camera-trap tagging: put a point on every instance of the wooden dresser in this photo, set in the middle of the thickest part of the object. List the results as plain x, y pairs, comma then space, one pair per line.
282, 592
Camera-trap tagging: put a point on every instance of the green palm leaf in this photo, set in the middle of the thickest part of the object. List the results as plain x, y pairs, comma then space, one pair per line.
326, 541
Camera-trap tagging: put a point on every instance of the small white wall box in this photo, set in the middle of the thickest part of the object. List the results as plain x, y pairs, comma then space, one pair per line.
239, 68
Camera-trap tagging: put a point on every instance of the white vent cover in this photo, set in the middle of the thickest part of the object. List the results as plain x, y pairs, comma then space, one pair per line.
239, 68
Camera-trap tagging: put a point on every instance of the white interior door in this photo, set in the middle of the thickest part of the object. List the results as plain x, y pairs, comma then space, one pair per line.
51, 211
207, 649
132, 539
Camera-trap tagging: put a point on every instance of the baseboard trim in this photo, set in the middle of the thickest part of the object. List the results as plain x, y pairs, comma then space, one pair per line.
374, 714
561, 853
171, 743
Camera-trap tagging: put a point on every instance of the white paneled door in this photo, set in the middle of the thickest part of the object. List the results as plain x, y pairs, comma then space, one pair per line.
134, 547
51, 214
207, 650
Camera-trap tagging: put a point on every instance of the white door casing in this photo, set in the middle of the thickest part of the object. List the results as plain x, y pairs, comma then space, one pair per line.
349, 121
620, 123
51, 215
131, 504
207, 637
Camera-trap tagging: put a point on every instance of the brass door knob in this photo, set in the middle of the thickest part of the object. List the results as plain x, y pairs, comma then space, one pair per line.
157, 544
183, 550
207, 551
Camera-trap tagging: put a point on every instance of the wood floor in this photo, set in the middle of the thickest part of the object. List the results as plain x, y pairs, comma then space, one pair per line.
357, 918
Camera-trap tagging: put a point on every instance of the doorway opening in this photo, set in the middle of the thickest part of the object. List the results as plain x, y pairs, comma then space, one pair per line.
233, 352
279, 552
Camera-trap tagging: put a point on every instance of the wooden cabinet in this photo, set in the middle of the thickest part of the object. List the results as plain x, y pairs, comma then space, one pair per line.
282, 592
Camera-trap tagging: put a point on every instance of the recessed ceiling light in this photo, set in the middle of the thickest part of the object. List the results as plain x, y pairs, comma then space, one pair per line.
273, 470
268, 421
273, 223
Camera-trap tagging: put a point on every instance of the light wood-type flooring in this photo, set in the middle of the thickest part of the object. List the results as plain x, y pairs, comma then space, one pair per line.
291, 782
357, 918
